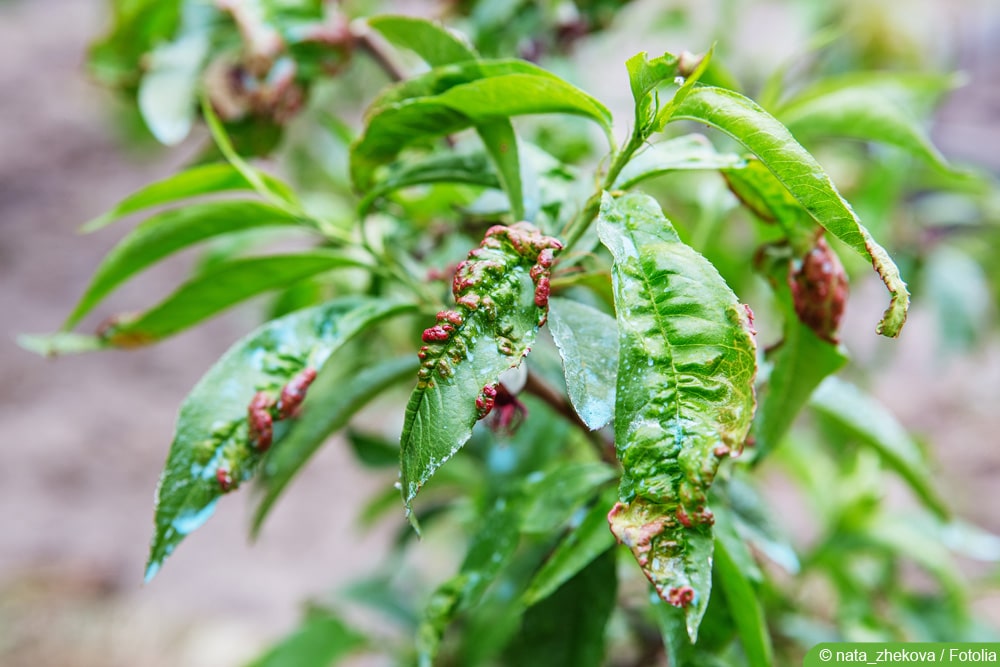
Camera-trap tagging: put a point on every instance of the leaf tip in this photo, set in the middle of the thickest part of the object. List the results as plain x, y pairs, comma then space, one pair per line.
152, 568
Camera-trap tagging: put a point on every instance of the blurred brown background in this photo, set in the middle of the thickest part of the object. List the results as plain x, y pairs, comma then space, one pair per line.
84, 437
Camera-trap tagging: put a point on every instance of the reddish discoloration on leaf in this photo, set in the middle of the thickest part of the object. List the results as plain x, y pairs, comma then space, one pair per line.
543, 289
819, 290
437, 333
260, 421
115, 331
681, 596
294, 392
640, 539
471, 287
225, 480
683, 517
746, 307
486, 400
451, 317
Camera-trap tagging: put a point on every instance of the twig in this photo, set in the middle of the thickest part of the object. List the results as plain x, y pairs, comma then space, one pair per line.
363, 36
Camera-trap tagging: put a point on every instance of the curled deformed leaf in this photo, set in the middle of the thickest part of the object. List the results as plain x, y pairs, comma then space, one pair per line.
687, 360
501, 293
645, 76
804, 178
230, 419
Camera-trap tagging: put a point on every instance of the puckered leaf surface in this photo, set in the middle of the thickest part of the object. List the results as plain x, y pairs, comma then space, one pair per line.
501, 295
684, 399
216, 447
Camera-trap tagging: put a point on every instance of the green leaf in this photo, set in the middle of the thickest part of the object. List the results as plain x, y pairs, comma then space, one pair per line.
902, 536
644, 76
685, 153
381, 593
686, 366
168, 91
588, 344
340, 390
320, 641
374, 451
491, 549
469, 168
871, 423
757, 524
213, 446
862, 108
456, 97
430, 40
732, 563
138, 26
170, 231
690, 80
767, 198
799, 172
577, 550
554, 495
681, 652
501, 293
501, 143
568, 627
280, 196
198, 180
218, 288
799, 363
959, 289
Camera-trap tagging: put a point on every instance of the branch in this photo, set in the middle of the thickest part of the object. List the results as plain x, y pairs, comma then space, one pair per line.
363, 36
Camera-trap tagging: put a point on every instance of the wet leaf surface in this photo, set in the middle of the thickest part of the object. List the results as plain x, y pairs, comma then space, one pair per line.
685, 398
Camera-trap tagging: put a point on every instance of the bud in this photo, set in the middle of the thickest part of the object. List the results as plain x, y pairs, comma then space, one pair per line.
819, 290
